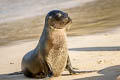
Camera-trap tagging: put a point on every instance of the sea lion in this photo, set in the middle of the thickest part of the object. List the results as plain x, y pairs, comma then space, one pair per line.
50, 57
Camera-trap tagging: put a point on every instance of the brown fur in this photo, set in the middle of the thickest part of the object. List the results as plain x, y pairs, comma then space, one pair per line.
50, 57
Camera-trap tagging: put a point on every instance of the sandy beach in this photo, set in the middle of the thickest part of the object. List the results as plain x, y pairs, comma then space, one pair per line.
93, 41
88, 53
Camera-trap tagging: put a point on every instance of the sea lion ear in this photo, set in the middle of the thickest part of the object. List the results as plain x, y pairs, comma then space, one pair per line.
50, 17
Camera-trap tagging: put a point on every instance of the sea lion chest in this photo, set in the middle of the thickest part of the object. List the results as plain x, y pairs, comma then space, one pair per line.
57, 52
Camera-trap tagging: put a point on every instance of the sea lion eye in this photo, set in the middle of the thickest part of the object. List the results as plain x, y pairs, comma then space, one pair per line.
59, 15
50, 17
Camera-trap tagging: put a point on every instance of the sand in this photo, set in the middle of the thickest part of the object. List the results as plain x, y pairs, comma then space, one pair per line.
97, 48
99, 52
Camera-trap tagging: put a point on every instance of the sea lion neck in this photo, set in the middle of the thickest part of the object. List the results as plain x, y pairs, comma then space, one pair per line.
50, 34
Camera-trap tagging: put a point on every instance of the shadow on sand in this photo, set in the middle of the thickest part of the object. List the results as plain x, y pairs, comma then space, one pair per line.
112, 48
12, 77
109, 73
17, 76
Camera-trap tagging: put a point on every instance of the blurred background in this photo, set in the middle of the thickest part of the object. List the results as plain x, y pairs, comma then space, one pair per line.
22, 20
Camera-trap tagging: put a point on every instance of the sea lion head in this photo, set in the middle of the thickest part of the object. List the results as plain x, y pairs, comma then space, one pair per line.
57, 19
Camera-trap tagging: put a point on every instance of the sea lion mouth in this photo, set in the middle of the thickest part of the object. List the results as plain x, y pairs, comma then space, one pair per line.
69, 20
61, 23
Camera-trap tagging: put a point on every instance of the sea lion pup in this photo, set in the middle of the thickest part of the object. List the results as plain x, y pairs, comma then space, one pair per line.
50, 57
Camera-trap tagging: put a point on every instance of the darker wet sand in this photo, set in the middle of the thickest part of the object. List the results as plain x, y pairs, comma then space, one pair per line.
93, 17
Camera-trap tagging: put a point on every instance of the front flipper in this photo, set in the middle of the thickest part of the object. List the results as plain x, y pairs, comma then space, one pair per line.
70, 68
73, 71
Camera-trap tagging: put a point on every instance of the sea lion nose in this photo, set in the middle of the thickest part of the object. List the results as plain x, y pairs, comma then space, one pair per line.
66, 15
